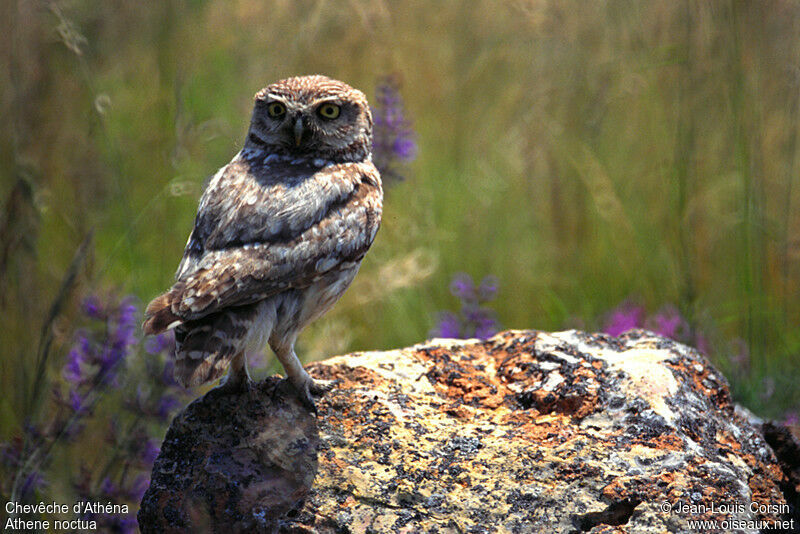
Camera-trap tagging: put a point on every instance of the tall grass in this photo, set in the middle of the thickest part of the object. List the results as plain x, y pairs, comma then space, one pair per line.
583, 153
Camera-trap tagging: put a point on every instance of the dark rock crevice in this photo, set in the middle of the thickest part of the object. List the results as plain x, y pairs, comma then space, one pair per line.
616, 513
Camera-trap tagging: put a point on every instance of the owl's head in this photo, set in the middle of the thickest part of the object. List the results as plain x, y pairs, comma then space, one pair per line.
312, 116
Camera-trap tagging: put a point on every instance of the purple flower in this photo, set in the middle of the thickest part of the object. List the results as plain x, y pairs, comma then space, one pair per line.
160, 343
166, 406
624, 318
488, 289
669, 323
76, 402
150, 452
128, 310
92, 307
125, 334
404, 148
32, 482
393, 137
114, 347
479, 322
463, 287
668, 326
486, 329
72, 372
85, 345
448, 326
98, 351
473, 320
95, 361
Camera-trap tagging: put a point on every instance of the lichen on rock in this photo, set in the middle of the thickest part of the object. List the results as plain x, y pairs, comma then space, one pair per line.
531, 432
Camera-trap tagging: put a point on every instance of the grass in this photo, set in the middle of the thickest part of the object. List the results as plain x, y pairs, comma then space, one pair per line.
584, 154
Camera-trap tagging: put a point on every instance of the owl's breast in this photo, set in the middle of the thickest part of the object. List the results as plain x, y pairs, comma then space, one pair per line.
271, 202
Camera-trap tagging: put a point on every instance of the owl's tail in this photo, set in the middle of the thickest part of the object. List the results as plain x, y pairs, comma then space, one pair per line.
205, 347
159, 316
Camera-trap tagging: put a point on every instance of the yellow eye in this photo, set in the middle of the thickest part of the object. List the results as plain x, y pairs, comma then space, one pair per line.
276, 110
328, 111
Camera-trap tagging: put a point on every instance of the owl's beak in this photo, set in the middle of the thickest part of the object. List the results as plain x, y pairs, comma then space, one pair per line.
298, 131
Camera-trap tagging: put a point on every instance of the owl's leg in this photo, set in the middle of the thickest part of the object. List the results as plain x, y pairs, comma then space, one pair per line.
306, 386
238, 378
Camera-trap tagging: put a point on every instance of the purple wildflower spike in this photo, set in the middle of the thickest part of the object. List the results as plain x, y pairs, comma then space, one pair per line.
463, 287
473, 320
626, 317
72, 371
150, 451
448, 326
393, 138
92, 307
488, 288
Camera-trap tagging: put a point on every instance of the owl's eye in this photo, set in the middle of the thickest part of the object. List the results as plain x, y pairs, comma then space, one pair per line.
328, 111
276, 110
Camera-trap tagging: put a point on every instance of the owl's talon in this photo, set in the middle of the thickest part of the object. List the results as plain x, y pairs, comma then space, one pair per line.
245, 386
321, 387
311, 388
308, 401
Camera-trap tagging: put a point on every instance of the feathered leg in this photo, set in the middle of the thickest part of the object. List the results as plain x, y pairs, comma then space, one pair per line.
238, 378
306, 386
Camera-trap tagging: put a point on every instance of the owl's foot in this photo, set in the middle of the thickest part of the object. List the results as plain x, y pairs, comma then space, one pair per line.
230, 387
309, 388
237, 381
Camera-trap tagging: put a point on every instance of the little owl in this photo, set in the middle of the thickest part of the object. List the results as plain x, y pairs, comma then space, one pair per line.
279, 235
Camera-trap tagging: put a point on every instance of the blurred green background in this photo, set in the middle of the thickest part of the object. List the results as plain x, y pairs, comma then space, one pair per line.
585, 153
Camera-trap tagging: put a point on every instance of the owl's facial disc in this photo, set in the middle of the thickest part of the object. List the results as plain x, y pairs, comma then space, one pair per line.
312, 116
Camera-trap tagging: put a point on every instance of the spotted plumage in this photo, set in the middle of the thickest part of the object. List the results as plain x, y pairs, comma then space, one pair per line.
279, 235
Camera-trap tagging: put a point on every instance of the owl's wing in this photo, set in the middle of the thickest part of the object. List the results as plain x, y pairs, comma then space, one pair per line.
241, 256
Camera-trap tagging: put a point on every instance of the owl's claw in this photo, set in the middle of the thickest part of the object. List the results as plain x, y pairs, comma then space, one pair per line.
231, 387
310, 388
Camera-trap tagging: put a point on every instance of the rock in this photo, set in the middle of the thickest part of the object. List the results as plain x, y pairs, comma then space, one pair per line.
233, 463
524, 432
785, 443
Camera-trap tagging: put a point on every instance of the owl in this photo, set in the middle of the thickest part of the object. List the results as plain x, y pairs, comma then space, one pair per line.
279, 235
